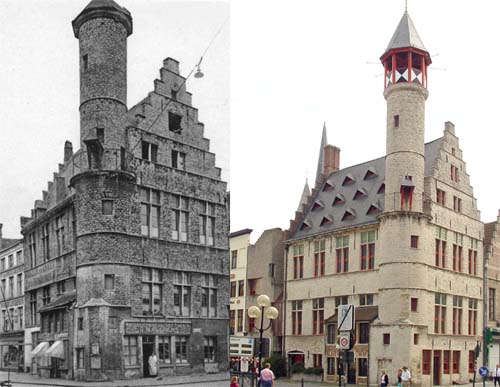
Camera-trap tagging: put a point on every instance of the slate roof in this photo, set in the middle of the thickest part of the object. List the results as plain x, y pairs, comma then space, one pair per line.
360, 209
406, 35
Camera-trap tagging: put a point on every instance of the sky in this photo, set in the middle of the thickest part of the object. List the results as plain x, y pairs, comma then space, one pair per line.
298, 64
39, 83
276, 72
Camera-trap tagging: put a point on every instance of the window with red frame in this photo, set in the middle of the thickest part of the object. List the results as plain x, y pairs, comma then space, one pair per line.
342, 253
472, 358
454, 174
298, 261
473, 256
414, 304
426, 362
319, 258
317, 360
440, 253
446, 362
296, 317
472, 317
368, 250
456, 362
318, 315
441, 197
440, 313
457, 204
457, 315
414, 241
252, 284
387, 338
457, 258
251, 324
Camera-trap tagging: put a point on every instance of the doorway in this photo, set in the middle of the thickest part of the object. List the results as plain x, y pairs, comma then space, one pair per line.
148, 344
351, 373
436, 368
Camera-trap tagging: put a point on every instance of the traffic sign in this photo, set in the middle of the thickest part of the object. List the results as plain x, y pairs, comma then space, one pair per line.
346, 317
344, 340
484, 372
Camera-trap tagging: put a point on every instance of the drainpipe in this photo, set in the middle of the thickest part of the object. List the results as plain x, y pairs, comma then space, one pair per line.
285, 298
485, 303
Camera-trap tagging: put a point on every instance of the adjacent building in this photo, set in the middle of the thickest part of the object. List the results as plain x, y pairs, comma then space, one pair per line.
400, 237
12, 343
256, 269
127, 249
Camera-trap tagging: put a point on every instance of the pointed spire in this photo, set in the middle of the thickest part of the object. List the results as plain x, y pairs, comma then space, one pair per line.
303, 199
321, 158
406, 35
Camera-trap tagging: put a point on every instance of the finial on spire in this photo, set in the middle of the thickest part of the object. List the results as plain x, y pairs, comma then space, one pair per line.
406, 5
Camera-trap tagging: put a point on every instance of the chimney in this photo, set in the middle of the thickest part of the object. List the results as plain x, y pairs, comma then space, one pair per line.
449, 127
332, 159
68, 151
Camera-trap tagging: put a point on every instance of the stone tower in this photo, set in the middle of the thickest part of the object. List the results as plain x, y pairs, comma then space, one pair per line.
403, 222
102, 29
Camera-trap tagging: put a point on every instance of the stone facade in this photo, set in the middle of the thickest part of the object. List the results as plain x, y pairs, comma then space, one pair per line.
12, 341
127, 252
400, 233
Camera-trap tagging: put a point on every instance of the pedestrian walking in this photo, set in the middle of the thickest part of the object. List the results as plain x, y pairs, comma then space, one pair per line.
267, 376
400, 381
406, 377
384, 379
496, 376
234, 382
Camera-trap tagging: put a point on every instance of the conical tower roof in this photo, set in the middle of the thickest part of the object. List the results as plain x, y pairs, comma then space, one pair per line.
406, 35
103, 8
303, 199
321, 158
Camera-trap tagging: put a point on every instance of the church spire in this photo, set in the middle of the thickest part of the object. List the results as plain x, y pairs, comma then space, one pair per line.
303, 199
321, 159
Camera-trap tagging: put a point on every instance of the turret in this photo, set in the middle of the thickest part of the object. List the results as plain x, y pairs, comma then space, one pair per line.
102, 29
405, 64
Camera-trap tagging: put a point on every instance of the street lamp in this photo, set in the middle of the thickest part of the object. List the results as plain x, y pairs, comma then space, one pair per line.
264, 308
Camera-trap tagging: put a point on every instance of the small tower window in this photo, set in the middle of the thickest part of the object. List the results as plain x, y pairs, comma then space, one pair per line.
173, 93
414, 241
107, 207
174, 122
85, 62
396, 121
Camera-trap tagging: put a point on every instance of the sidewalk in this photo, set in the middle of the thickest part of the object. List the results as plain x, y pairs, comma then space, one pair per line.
25, 378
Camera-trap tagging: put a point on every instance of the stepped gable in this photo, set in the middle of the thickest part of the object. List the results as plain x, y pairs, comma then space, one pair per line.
150, 119
355, 210
58, 189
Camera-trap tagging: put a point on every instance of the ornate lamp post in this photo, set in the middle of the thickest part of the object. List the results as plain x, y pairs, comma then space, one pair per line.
264, 308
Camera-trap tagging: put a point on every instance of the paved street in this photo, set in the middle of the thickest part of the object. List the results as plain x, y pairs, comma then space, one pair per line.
214, 380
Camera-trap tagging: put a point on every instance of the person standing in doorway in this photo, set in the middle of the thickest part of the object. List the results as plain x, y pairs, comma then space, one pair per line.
496, 376
153, 365
406, 377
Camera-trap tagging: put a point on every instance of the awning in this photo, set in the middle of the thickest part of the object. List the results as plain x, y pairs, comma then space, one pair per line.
40, 349
56, 350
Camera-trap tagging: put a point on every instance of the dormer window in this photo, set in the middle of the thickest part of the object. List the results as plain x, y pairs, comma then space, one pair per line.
339, 199
370, 173
327, 187
348, 180
318, 204
349, 214
326, 221
381, 189
373, 209
305, 226
360, 193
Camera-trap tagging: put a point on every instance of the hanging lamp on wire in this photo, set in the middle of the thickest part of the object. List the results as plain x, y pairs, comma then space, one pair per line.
199, 73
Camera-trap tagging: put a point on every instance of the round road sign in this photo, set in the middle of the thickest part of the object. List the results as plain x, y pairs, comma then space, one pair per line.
483, 371
344, 342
